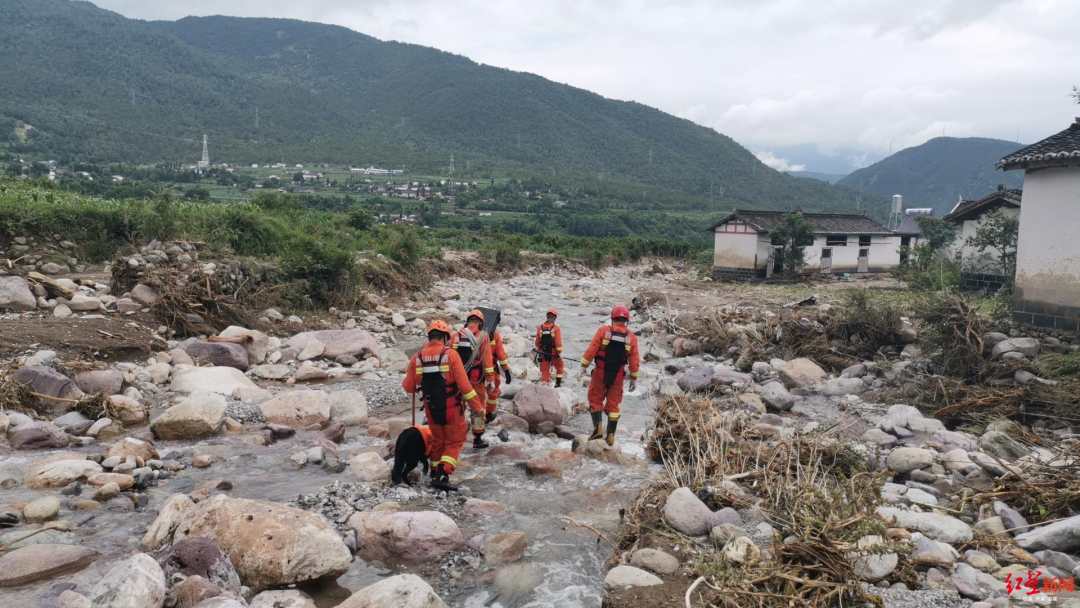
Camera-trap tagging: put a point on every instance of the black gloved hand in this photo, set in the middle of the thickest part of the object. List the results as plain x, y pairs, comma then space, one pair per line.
509, 377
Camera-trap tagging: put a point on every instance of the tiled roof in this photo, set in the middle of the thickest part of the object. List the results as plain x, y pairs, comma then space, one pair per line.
910, 226
1057, 150
969, 209
821, 223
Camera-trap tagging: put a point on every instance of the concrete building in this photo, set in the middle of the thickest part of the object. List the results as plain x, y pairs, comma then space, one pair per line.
910, 231
1047, 284
843, 242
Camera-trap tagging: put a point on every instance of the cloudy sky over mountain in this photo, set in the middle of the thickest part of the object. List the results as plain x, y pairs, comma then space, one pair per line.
828, 85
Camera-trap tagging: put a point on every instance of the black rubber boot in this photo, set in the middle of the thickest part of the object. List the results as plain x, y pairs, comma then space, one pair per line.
442, 482
558, 382
598, 428
611, 426
479, 443
489, 418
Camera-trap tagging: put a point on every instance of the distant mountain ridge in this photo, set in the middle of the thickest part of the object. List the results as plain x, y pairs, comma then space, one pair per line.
938, 172
829, 178
98, 86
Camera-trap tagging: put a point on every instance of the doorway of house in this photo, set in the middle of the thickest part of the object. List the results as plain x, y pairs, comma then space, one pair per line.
778, 260
864, 260
905, 249
826, 260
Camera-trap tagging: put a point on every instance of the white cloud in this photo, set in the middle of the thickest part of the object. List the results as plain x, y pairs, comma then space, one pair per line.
777, 163
869, 75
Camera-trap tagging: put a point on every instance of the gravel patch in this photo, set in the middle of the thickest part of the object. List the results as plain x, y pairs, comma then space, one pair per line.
245, 413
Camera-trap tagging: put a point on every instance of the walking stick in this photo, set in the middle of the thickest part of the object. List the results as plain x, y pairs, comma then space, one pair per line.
414, 409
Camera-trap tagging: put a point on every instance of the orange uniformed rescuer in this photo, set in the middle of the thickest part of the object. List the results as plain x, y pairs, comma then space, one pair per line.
474, 347
548, 345
436, 371
498, 353
615, 348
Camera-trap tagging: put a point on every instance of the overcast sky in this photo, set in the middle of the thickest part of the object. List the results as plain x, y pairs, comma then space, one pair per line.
829, 84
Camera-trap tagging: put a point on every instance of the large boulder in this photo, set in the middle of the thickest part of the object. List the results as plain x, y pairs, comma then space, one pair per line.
538, 403
15, 294
940, 527
172, 513
256, 342
286, 598
199, 415
271, 545
349, 408
1061, 536
221, 380
401, 591
369, 467
505, 547
31, 563
298, 408
776, 396
59, 470
225, 354
136, 581
408, 536
685, 512
1001, 445
37, 435
337, 342
100, 381
801, 373
53, 390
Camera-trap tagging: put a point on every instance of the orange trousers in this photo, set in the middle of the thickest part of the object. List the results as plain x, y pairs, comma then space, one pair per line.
447, 439
493, 395
603, 398
546, 365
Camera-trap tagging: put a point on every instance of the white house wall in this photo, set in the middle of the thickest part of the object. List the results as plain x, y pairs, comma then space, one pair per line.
735, 249
884, 253
1048, 250
971, 258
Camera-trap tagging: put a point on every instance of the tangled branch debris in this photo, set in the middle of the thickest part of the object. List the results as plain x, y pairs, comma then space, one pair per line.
1041, 490
815, 491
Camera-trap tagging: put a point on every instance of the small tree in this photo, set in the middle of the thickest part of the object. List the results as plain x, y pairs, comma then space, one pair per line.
998, 234
792, 237
938, 233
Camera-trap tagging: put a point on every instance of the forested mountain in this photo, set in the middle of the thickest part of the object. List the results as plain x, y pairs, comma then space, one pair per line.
830, 178
936, 173
97, 86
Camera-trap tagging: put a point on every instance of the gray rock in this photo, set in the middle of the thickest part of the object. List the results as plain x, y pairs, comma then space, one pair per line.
356, 342
982, 561
975, 584
879, 438
655, 560
905, 459
136, 581
855, 371
101, 382
934, 525
1057, 559
929, 552
145, 295
84, 303
54, 390
801, 373
31, 563
1002, 446
198, 415
1026, 346
37, 435
837, 387
1063, 536
271, 371
536, 403
685, 512
221, 380
623, 577
873, 566
696, 379
15, 294
1012, 518
224, 354
73, 423
400, 591
776, 396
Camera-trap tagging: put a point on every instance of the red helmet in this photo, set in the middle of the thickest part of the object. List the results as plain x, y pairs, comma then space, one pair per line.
475, 313
440, 325
553, 312
620, 312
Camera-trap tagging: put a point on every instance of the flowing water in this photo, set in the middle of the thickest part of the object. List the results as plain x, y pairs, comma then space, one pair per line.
564, 563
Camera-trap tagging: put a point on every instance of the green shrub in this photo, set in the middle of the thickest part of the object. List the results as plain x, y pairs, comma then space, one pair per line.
402, 245
507, 256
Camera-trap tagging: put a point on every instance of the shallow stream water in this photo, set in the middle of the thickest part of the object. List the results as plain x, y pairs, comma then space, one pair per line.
565, 562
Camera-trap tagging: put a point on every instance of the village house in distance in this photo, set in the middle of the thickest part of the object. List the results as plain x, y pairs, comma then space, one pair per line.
843, 242
1047, 283
981, 270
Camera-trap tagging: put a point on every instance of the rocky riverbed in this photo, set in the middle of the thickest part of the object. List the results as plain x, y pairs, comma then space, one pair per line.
249, 468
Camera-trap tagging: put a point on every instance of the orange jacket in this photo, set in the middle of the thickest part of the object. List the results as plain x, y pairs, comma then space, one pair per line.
600, 341
498, 351
453, 372
556, 333
487, 361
